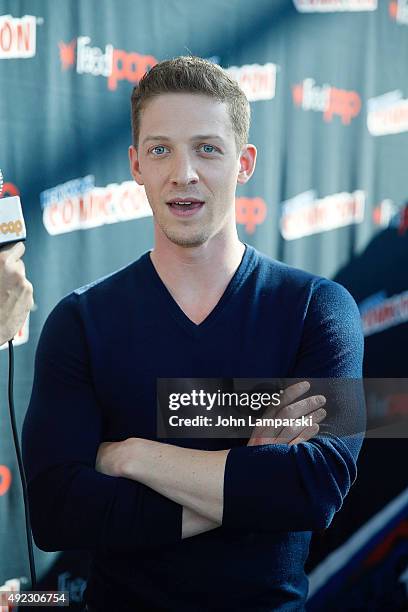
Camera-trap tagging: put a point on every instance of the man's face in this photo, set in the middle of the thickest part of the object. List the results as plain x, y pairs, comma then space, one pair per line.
187, 152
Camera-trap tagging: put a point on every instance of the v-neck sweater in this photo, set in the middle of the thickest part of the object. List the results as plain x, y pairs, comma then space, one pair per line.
98, 358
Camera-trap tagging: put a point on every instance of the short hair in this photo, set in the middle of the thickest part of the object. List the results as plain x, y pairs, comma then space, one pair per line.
193, 75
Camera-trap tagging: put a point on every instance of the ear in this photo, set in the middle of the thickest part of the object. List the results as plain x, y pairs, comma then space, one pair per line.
134, 165
247, 162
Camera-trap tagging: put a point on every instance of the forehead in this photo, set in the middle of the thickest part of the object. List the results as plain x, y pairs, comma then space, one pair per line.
175, 114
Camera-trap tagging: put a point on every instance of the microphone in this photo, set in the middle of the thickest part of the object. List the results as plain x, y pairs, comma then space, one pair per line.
12, 226
13, 229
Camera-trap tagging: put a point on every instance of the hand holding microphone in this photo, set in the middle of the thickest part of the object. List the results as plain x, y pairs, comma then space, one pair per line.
16, 292
16, 299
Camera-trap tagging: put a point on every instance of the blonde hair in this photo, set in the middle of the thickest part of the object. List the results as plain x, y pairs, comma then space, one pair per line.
193, 75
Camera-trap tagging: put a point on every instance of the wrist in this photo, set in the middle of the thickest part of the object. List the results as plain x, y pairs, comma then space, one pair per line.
133, 459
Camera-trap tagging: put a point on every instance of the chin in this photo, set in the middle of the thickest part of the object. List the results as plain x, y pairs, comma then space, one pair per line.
187, 241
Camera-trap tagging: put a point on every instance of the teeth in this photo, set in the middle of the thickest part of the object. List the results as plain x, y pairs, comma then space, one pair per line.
183, 203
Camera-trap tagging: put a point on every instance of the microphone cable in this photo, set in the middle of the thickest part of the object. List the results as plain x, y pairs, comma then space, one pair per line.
20, 465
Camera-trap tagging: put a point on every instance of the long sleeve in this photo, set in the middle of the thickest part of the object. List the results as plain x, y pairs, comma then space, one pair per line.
299, 488
72, 506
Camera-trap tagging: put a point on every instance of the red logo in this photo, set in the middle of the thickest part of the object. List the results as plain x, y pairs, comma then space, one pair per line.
5, 479
113, 64
398, 11
399, 533
250, 212
393, 9
67, 54
9, 190
389, 215
403, 224
129, 66
297, 93
327, 99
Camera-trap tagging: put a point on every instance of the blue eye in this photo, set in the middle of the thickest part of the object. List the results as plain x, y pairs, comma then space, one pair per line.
207, 148
159, 150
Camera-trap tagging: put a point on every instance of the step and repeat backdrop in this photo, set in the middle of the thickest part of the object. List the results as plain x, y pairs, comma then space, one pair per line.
328, 85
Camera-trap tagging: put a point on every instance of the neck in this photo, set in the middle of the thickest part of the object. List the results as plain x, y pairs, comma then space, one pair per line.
200, 268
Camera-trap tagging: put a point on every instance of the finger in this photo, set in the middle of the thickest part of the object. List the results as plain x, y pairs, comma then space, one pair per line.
299, 409
14, 252
296, 409
29, 290
309, 406
288, 398
302, 407
13, 276
289, 433
307, 434
261, 439
19, 267
291, 393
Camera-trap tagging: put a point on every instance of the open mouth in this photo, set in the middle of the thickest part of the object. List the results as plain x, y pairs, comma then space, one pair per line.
185, 207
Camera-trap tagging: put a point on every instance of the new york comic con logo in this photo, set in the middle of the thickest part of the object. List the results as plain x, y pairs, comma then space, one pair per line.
330, 6
113, 64
327, 99
387, 114
305, 214
17, 36
380, 312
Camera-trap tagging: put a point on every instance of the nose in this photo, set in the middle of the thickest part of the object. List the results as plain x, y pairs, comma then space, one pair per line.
182, 171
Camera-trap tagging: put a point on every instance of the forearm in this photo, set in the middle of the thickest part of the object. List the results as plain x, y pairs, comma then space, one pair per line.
194, 523
288, 488
74, 507
189, 477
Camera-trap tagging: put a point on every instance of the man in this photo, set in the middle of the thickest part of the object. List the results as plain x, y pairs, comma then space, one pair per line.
201, 524
16, 292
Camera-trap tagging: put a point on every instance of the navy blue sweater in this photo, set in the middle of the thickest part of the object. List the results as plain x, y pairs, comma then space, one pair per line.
99, 355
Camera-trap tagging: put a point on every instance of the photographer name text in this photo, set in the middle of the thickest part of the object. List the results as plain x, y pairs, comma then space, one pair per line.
230, 421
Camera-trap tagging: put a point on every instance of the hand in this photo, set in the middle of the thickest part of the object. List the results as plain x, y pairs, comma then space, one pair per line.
16, 292
289, 409
112, 457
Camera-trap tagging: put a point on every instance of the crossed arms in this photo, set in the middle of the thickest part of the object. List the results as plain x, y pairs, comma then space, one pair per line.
195, 478
159, 493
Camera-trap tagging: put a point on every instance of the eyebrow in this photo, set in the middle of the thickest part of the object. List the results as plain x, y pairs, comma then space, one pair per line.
196, 137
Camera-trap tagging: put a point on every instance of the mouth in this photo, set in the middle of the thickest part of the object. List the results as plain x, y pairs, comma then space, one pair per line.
185, 207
